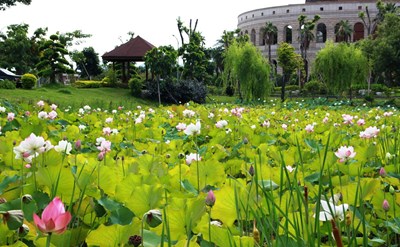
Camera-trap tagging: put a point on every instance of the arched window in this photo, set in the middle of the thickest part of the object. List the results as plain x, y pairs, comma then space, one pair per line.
358, 32
287, 31
253, 37
321, 33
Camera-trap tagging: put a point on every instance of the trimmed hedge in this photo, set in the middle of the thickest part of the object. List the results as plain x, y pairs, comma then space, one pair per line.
28, 81
7, 84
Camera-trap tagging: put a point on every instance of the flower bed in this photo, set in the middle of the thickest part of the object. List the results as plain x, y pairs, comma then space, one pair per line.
199, 175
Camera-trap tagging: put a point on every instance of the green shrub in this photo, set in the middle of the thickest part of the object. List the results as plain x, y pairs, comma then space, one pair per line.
135, 86
7, 84
88, 84
292, 88
28, 81
177, 92
214, 90
315, 87
379, 88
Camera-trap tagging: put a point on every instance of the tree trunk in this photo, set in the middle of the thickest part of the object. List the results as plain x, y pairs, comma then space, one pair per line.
283, 88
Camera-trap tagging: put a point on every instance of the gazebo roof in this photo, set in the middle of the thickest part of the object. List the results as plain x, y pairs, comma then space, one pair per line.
133, 50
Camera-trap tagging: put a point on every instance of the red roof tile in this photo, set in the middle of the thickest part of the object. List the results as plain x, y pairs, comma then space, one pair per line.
133, 50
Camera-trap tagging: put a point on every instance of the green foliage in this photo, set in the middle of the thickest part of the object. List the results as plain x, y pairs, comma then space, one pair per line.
136, 85
315, 87
8, 3
162, 61
87, 62
247, 71
340, 67
177, 92
28, 81
385, 49
7, 84
52, 61
88, 84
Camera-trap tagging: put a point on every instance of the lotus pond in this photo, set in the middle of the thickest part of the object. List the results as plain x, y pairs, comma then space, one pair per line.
200, 175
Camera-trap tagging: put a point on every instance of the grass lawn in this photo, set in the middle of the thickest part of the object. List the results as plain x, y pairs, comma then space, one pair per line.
75, 97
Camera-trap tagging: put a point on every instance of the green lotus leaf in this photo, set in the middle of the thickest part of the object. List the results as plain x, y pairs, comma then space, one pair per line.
138, 197
183, 215
113, 235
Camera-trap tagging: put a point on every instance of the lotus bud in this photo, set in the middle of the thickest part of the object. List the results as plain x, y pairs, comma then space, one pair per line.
256, 233
210, 199
78, 145
27, 198
245, 140
385, 205
391, 190
122, 158
348, 218
100, 156
23, 230
251, 170
153, 218
14, 219
135, 240
382, 172
3, 200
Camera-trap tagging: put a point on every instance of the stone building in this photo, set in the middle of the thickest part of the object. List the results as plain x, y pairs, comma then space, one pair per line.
285, 18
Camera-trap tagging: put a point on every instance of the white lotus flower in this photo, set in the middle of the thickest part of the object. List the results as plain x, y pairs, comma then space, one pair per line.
63, 147
330, 211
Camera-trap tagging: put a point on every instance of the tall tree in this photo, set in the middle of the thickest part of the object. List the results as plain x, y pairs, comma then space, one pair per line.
193, 52
8, 3
245, 64
306, 35
87, 62
385, 50
269, 32
17, 50
383, 9
52, 62
161, 61
340, 67
290, 62
343, 31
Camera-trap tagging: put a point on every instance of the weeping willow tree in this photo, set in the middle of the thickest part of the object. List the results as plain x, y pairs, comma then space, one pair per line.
247, 70
341, 67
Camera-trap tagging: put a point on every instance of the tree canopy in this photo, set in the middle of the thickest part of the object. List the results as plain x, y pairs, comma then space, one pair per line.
341, 67
248, 69
8, 3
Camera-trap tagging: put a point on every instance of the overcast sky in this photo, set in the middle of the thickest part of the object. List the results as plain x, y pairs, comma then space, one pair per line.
154, 20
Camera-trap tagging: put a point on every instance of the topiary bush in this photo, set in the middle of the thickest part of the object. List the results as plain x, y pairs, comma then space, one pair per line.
135, 86
7, 84
28, 81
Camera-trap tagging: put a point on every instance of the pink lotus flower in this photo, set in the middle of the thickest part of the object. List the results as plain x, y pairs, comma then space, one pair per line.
53, 107
40, 103
181, 127
344, 153
347, 119
10, 116
360, 122
54, 218
192, 157
369, 132
309, 128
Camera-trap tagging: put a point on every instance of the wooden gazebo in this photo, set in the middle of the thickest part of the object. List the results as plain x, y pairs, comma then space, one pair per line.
131, 51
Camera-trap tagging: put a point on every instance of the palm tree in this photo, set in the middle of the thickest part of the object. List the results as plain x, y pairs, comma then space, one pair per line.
306, 35
269, 33
343, 31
